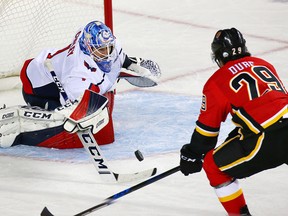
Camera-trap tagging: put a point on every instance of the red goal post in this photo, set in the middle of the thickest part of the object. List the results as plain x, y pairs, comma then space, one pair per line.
29, 26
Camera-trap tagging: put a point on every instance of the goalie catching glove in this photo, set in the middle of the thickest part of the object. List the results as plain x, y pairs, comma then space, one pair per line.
144, 68
141, 72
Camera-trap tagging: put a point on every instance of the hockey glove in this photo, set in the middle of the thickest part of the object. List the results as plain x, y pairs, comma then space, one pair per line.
190, 162
141, 73
90, 112
144, 68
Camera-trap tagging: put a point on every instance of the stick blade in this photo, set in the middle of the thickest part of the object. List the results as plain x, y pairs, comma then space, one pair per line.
129, 177
46, 212
141, 81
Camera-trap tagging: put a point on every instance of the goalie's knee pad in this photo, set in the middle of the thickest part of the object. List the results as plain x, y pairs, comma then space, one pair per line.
20, 119
215, 176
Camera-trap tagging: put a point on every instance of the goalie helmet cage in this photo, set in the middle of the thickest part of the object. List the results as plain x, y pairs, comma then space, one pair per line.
29, 26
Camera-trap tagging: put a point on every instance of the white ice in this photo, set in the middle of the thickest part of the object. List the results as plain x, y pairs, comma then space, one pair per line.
157, 121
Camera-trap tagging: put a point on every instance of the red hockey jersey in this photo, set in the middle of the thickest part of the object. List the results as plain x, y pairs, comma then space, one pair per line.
249, 89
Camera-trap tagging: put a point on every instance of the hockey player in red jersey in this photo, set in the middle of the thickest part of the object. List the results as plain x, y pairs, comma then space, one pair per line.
94, 60
250, 90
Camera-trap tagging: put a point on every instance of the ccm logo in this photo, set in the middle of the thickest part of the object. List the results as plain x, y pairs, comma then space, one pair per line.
37, 115
94, 152
8, 115
99, 123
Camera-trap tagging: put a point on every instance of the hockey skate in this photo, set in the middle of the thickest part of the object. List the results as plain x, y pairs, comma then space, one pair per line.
244, 211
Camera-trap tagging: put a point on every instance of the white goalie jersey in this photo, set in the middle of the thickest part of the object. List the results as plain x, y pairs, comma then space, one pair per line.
74, 69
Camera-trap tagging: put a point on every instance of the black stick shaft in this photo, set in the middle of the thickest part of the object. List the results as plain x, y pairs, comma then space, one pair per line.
109, 200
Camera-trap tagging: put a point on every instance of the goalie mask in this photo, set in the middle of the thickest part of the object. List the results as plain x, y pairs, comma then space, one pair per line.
98, 42
227, 45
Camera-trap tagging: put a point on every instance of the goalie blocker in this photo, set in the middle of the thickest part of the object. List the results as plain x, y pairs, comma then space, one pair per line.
37, 127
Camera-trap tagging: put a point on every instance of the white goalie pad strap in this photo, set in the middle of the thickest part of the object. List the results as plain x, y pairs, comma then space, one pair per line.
18, 119
70, 126
91, 113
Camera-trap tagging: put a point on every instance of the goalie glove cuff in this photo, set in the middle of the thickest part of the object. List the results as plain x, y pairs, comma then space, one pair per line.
139, 70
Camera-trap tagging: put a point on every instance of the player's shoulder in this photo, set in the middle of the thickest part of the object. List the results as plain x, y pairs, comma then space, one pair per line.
219, 76
257, 60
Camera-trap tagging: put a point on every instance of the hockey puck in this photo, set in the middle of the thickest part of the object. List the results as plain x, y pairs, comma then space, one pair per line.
139, 155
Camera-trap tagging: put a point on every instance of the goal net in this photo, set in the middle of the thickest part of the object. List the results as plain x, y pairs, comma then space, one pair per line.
28, 26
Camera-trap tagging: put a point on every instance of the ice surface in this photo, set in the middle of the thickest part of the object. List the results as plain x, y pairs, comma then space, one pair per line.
157, 121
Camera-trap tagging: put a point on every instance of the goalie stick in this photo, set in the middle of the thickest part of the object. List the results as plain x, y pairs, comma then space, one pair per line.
110, 200
89, 143
100, 162
141, 73
137, 80
49, 66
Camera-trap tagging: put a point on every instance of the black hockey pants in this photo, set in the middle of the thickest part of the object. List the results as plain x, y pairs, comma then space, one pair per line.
255, 153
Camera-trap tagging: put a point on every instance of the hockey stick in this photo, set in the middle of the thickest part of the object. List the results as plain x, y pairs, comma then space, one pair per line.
100, 162
110, 200
49, 66
89, 143
137, 80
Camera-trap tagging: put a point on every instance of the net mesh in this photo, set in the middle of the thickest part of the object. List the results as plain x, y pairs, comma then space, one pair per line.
29, 26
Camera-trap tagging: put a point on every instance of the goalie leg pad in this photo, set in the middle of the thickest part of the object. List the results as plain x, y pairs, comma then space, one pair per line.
19, 119
9, 126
